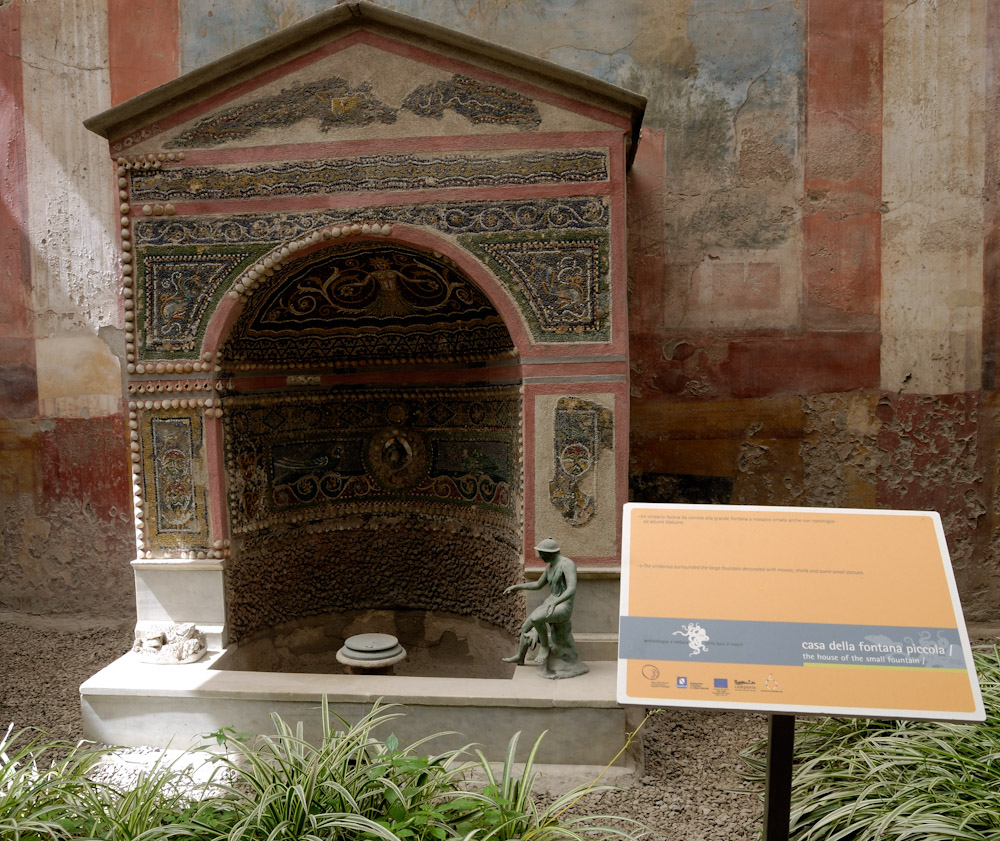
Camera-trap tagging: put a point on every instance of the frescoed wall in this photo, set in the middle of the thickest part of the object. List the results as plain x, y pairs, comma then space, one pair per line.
812, 252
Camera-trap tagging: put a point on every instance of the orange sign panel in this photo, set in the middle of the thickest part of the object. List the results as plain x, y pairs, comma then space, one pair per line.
793, 610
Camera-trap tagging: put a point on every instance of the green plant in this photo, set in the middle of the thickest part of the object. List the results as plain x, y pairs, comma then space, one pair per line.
349, 785
509, 811
156, 806
37, 779
873, 780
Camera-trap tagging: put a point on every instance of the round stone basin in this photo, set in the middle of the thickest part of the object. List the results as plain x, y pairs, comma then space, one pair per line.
368, 652
436, 644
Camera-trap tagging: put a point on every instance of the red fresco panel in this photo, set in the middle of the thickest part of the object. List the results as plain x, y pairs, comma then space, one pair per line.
86, 459
991, 245
143, 47
842, 227
816, 363
15, 265
646, 255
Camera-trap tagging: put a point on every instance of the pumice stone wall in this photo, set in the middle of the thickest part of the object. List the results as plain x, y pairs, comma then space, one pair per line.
373, 275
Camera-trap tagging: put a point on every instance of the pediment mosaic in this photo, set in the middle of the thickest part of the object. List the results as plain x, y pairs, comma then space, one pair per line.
333, 102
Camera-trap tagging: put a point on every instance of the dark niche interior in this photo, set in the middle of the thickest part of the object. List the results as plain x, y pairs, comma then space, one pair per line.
366, 470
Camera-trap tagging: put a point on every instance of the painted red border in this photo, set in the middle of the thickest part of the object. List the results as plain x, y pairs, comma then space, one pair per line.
991, 208
15, 253
143, 46
521, 142
842, 235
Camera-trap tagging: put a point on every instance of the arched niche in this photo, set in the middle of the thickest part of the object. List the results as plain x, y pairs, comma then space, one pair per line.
367, 466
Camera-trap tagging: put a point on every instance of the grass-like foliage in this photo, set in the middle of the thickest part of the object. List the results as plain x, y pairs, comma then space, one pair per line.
868, 780
347, 785
509, 812
37, 780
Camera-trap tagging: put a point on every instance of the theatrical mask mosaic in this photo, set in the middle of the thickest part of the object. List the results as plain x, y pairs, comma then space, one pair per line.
367, 173
582, 431
365, 302
335, 102
319, 455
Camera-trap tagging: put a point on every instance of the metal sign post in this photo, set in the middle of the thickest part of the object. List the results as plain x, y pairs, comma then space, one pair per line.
778, 782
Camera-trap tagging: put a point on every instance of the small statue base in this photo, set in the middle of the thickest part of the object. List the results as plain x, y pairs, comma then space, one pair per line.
562, 659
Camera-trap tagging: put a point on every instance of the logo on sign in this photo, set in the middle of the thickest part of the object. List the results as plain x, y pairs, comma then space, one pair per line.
721, 683
682, 683
650, 672
696, 637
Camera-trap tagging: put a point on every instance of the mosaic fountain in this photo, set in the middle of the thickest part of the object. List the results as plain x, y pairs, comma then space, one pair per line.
374, 287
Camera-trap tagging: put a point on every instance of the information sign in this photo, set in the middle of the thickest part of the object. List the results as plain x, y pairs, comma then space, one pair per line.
793, 610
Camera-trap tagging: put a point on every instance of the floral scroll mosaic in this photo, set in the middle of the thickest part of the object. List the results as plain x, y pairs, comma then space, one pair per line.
175, 480
583, 430
367, 302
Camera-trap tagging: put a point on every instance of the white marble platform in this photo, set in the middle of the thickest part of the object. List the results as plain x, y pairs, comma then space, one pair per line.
132, 703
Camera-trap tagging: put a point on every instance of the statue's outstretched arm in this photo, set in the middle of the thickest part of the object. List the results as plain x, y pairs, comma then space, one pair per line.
530, 585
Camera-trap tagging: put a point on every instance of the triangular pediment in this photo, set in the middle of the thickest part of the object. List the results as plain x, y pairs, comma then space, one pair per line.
360, 72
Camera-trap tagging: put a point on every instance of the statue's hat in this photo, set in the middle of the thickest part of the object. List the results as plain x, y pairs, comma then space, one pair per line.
547, 545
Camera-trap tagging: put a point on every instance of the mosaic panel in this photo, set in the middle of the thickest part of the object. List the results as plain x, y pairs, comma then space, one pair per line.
178, 289
368, 173
582, 431
562, 280
555, 214
367, 302
318, 454
335, 102
174, 488
332, 101
476, 101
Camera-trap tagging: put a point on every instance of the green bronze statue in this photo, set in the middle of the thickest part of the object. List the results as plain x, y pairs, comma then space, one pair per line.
548, 626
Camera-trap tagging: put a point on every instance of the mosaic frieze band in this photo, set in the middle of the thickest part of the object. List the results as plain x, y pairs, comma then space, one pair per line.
335, 102
449, 218
313, 454
552, 255
368, 173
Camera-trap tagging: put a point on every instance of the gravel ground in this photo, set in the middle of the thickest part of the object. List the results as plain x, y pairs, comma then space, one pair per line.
690, 790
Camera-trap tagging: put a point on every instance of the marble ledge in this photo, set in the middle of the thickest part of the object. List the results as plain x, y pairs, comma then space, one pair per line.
526, 689
213, 564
